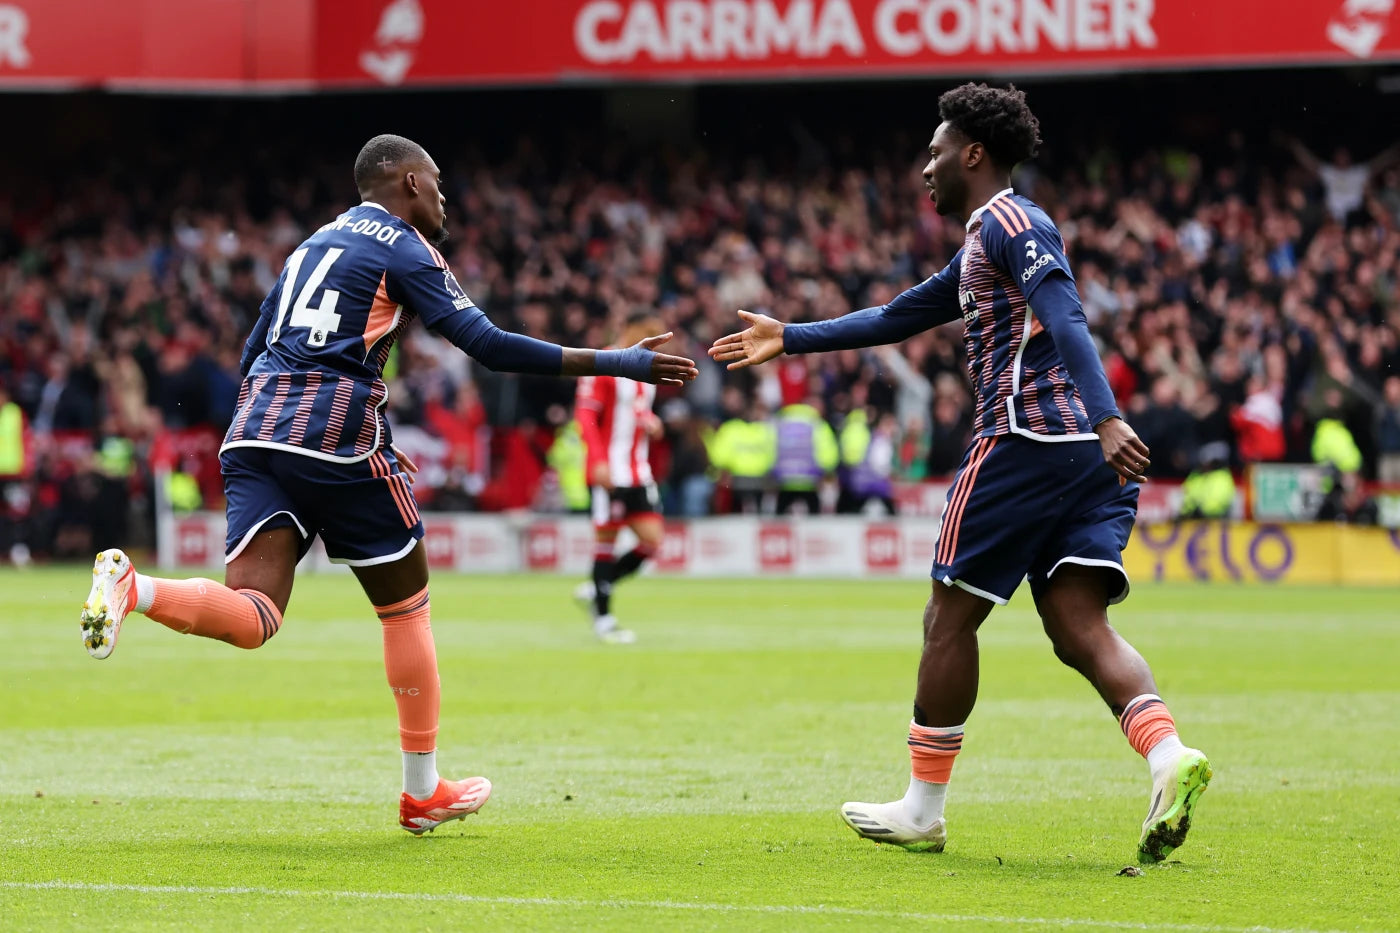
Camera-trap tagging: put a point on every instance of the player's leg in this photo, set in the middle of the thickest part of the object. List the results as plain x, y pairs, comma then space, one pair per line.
647, 526
944, 695
604, 534
1074, 582
988, 536
265, 539
1074, 610
595, 594
381, 540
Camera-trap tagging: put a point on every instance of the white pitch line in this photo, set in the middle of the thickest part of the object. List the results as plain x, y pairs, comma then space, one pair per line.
820, 909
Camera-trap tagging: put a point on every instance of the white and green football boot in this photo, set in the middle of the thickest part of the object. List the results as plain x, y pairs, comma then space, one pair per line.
112, 596
1175, 792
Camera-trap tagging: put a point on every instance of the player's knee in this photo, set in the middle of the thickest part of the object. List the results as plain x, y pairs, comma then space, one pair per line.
1073, 645
1068, 651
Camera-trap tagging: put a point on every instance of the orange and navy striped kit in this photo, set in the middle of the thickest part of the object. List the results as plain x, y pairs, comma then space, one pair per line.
342, 301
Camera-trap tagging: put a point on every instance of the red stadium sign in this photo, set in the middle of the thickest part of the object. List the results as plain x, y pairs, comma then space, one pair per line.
340, 43
440, 41
161, 43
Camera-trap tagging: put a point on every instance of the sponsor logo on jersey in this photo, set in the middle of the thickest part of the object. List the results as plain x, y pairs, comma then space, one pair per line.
1030, 250
1035, 267
460, 301
968, 301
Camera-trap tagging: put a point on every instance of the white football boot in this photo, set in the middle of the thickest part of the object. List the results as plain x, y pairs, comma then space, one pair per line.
886, 822
1175, 791
605, 627
113, 595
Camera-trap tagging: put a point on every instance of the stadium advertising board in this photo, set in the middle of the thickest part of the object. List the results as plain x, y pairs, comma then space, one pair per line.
1206, 552
312, 43
422, 41
159, 43
1249, 552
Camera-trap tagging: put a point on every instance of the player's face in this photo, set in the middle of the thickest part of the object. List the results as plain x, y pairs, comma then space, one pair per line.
431, 206
947, 187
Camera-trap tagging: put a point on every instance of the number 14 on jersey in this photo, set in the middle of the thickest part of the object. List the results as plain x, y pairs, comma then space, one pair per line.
321, 320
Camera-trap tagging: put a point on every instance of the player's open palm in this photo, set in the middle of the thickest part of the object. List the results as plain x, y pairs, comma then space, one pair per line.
760, 343
1123, 450
668, 370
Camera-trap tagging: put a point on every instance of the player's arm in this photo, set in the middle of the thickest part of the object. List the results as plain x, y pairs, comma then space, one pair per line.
595, 394
1031, 251
926, 305
257, 340
434, 294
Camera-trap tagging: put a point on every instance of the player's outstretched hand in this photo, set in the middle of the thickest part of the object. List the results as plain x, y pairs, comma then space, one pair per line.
1123, 450
668, 370
760, 343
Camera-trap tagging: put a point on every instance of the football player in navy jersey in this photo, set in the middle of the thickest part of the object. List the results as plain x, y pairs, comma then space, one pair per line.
309, 451
1047, 491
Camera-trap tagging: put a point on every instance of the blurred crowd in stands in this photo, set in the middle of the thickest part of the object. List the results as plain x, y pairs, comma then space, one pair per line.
1247, 308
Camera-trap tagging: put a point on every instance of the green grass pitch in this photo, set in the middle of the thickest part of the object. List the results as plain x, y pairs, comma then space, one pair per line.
690, 781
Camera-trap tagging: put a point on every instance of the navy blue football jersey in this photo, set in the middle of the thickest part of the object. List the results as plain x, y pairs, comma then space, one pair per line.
313, 365
1018, 375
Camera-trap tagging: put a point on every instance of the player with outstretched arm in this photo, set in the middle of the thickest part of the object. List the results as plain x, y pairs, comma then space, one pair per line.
309, 451
1035, 497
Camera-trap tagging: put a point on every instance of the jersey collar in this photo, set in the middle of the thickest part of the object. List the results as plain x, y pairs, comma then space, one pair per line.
386, 210
1004, 192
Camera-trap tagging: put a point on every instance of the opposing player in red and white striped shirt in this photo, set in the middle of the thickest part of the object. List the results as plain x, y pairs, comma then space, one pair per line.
617, 424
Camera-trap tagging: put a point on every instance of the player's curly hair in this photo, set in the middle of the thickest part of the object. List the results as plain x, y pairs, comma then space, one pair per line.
996, 117
381, 152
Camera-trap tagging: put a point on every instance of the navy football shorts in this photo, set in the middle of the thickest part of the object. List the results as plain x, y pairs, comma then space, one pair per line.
364, 512
1021, 509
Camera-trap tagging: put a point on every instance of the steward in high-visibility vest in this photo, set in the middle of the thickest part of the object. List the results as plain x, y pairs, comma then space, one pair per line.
12, 458
744, 450
568, 459
807, 452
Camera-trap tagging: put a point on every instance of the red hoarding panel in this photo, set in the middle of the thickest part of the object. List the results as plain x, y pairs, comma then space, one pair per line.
204, 39
442, 41
179, 43
67, 41
282, 34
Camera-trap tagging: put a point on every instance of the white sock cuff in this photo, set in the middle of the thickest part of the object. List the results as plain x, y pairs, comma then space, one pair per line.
1164, 752
1136, 701
420, 774
938, 730
145, 593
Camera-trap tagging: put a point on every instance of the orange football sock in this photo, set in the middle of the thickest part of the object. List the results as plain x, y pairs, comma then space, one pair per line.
1146, 721
410, 660
932, 752
245, 618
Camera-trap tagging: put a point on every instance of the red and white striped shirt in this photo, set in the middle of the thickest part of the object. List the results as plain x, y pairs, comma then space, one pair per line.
614, 416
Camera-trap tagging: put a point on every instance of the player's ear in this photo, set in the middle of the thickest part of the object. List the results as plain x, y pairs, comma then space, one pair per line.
410, 180
975, 154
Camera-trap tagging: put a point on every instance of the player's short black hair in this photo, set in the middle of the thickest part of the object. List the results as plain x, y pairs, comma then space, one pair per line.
386, 147
996, 117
